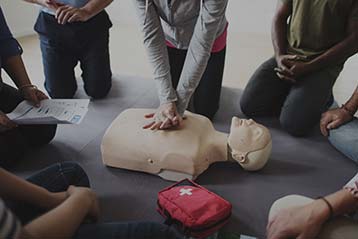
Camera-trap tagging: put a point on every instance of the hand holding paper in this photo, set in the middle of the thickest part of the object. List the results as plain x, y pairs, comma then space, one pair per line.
50, 112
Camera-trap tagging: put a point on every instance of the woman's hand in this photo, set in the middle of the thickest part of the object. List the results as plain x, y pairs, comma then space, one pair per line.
332, 119
299, 222
88, 196
32, 94
166, 117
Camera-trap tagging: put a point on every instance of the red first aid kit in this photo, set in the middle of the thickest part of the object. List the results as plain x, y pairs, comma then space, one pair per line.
193, 209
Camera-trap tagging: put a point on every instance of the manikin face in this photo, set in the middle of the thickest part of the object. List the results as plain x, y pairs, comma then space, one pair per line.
247, 136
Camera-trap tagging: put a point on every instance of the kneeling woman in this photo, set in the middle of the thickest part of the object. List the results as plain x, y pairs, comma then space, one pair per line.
186, 44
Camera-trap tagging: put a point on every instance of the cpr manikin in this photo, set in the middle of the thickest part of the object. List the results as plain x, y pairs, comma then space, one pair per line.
185, 152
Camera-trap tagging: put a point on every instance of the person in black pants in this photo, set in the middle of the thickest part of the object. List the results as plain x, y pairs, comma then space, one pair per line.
206, 98
311, 40
61, 193
15, 140
72, 32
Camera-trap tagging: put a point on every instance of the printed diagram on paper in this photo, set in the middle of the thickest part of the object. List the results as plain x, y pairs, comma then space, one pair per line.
51, 111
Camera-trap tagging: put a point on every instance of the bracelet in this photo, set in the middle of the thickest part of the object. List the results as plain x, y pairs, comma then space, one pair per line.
331, 211
345, 108
27, 86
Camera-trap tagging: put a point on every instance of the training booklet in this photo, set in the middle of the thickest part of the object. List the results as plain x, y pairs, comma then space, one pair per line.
51, 111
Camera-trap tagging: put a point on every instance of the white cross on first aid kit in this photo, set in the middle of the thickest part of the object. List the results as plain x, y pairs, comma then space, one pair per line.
186, 192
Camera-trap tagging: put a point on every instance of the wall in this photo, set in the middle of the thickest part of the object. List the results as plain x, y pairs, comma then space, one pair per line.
250, 16
20, 16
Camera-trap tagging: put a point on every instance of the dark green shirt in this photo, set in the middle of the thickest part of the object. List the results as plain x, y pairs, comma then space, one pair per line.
317, 25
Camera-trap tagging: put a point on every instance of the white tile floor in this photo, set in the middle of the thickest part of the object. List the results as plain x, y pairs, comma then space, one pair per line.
245, 52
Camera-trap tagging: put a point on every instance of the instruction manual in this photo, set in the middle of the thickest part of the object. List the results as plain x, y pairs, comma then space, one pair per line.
51, 111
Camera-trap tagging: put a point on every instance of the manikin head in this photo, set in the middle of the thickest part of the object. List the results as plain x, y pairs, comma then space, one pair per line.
249, 144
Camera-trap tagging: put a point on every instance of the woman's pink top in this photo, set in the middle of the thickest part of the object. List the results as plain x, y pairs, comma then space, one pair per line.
219, 44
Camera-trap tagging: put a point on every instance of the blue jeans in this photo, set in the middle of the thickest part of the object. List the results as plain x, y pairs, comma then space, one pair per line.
58, 178
63, 46
345, 139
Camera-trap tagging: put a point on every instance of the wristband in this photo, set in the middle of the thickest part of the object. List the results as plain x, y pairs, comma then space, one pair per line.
27, 86
331, 211
345, 108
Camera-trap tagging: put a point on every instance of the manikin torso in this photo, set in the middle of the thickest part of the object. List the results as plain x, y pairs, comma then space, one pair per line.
185, 152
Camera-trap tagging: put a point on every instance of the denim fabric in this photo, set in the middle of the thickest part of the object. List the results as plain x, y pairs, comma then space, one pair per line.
56, 178
64, 46
345, 139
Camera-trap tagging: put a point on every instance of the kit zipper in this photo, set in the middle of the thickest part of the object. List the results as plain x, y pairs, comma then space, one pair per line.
171, 221
211, 226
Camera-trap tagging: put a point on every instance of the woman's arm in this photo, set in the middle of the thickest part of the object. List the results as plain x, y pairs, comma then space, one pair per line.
64, 220
15, 188
199, 51
166, 115
306, 221
11, 61
154, 42
15, 68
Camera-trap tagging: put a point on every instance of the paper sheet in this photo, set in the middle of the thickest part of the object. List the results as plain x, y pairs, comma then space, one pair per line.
51, 111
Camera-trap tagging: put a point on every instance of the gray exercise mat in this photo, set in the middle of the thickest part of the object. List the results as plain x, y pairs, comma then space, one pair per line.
307, 166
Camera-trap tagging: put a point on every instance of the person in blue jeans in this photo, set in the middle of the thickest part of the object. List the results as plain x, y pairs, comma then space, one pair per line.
341, 127
73, 31
61, 193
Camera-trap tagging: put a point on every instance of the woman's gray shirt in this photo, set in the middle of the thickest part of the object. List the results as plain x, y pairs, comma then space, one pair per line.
192, 25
